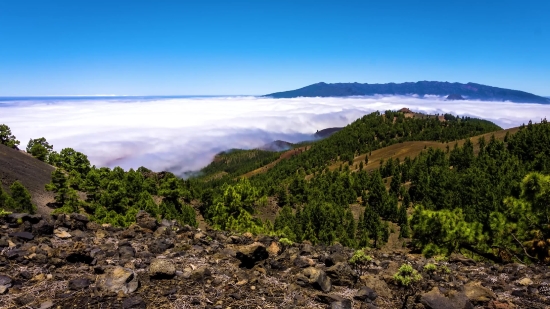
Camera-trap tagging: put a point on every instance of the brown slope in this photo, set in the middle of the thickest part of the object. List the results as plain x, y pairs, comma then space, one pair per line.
32, 173
412, 149
401, 150
285, 155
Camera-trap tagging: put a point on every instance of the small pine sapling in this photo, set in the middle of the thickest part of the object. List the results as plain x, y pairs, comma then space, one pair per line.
408, 279
360, 261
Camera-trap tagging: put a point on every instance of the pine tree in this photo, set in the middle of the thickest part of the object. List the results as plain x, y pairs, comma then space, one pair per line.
377, 195
21, 198
403, 222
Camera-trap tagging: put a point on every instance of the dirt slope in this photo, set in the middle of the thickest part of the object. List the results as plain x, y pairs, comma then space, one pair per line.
285, 155
32, 173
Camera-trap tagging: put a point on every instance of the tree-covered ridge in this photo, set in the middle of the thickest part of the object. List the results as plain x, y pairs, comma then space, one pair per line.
375, 131
236, 162
493, 203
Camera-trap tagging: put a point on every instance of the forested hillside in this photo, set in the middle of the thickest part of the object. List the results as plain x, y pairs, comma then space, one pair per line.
230, 164
490, 202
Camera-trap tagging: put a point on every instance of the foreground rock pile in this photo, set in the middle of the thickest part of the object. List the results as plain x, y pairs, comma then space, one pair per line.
65, 261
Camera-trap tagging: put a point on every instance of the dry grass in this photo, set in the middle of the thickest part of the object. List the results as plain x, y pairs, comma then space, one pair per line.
285, 155
413, 149
401, 151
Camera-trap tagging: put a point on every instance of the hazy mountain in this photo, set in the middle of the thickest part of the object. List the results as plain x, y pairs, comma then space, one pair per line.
468, 91
326, 132
277, 145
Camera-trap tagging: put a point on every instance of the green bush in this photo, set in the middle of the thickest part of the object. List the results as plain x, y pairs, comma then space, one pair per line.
286, 241
360, 257
430, 267
407, 276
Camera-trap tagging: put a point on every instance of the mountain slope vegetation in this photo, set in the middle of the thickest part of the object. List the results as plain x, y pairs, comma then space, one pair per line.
486, 196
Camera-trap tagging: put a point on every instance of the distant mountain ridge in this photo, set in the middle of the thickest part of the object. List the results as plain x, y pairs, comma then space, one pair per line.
471, 91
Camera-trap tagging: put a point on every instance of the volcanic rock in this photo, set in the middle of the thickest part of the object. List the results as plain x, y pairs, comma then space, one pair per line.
436, 300
316, 278
118, 279
162, 269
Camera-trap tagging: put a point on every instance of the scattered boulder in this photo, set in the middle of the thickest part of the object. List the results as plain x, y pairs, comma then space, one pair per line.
251, 254
5, 281
118, 279
453, 300
200, 273
162, 269
273, 249
302, 262
144, 220
134, 302
316, 278
336, 257
43, 227
80, 217
24, 300
79, 283
525, 282
342, 274
25, 275
23, 235
341, 304
62, 234
366, 294
478, 293
126, 252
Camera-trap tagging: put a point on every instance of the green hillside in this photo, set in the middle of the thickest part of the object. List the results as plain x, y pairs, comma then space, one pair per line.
487, 196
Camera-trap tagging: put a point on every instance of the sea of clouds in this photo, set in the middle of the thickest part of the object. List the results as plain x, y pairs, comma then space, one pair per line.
184, 134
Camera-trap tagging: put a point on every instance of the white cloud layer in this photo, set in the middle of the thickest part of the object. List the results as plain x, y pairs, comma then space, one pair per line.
182, 134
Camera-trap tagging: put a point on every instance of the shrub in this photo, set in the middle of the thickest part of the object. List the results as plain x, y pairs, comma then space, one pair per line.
430, 267
359, 256
407, 276
21, 198
408, 279
286, 242
360, 261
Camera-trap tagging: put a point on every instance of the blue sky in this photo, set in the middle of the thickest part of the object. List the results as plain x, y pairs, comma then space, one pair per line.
257, 47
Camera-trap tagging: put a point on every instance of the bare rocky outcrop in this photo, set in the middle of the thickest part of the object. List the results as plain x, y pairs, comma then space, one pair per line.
164, 265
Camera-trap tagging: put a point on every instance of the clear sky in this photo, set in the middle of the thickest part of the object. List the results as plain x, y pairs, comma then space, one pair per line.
254, 47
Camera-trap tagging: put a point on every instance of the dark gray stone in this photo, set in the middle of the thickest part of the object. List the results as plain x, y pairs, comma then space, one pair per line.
43, 227
23, 235
134, 302
5, 280
126, 252
80, 217
341, 304
366, 294
79, 283
454, 300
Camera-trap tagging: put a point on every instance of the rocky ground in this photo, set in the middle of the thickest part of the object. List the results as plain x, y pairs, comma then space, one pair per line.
68, 262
